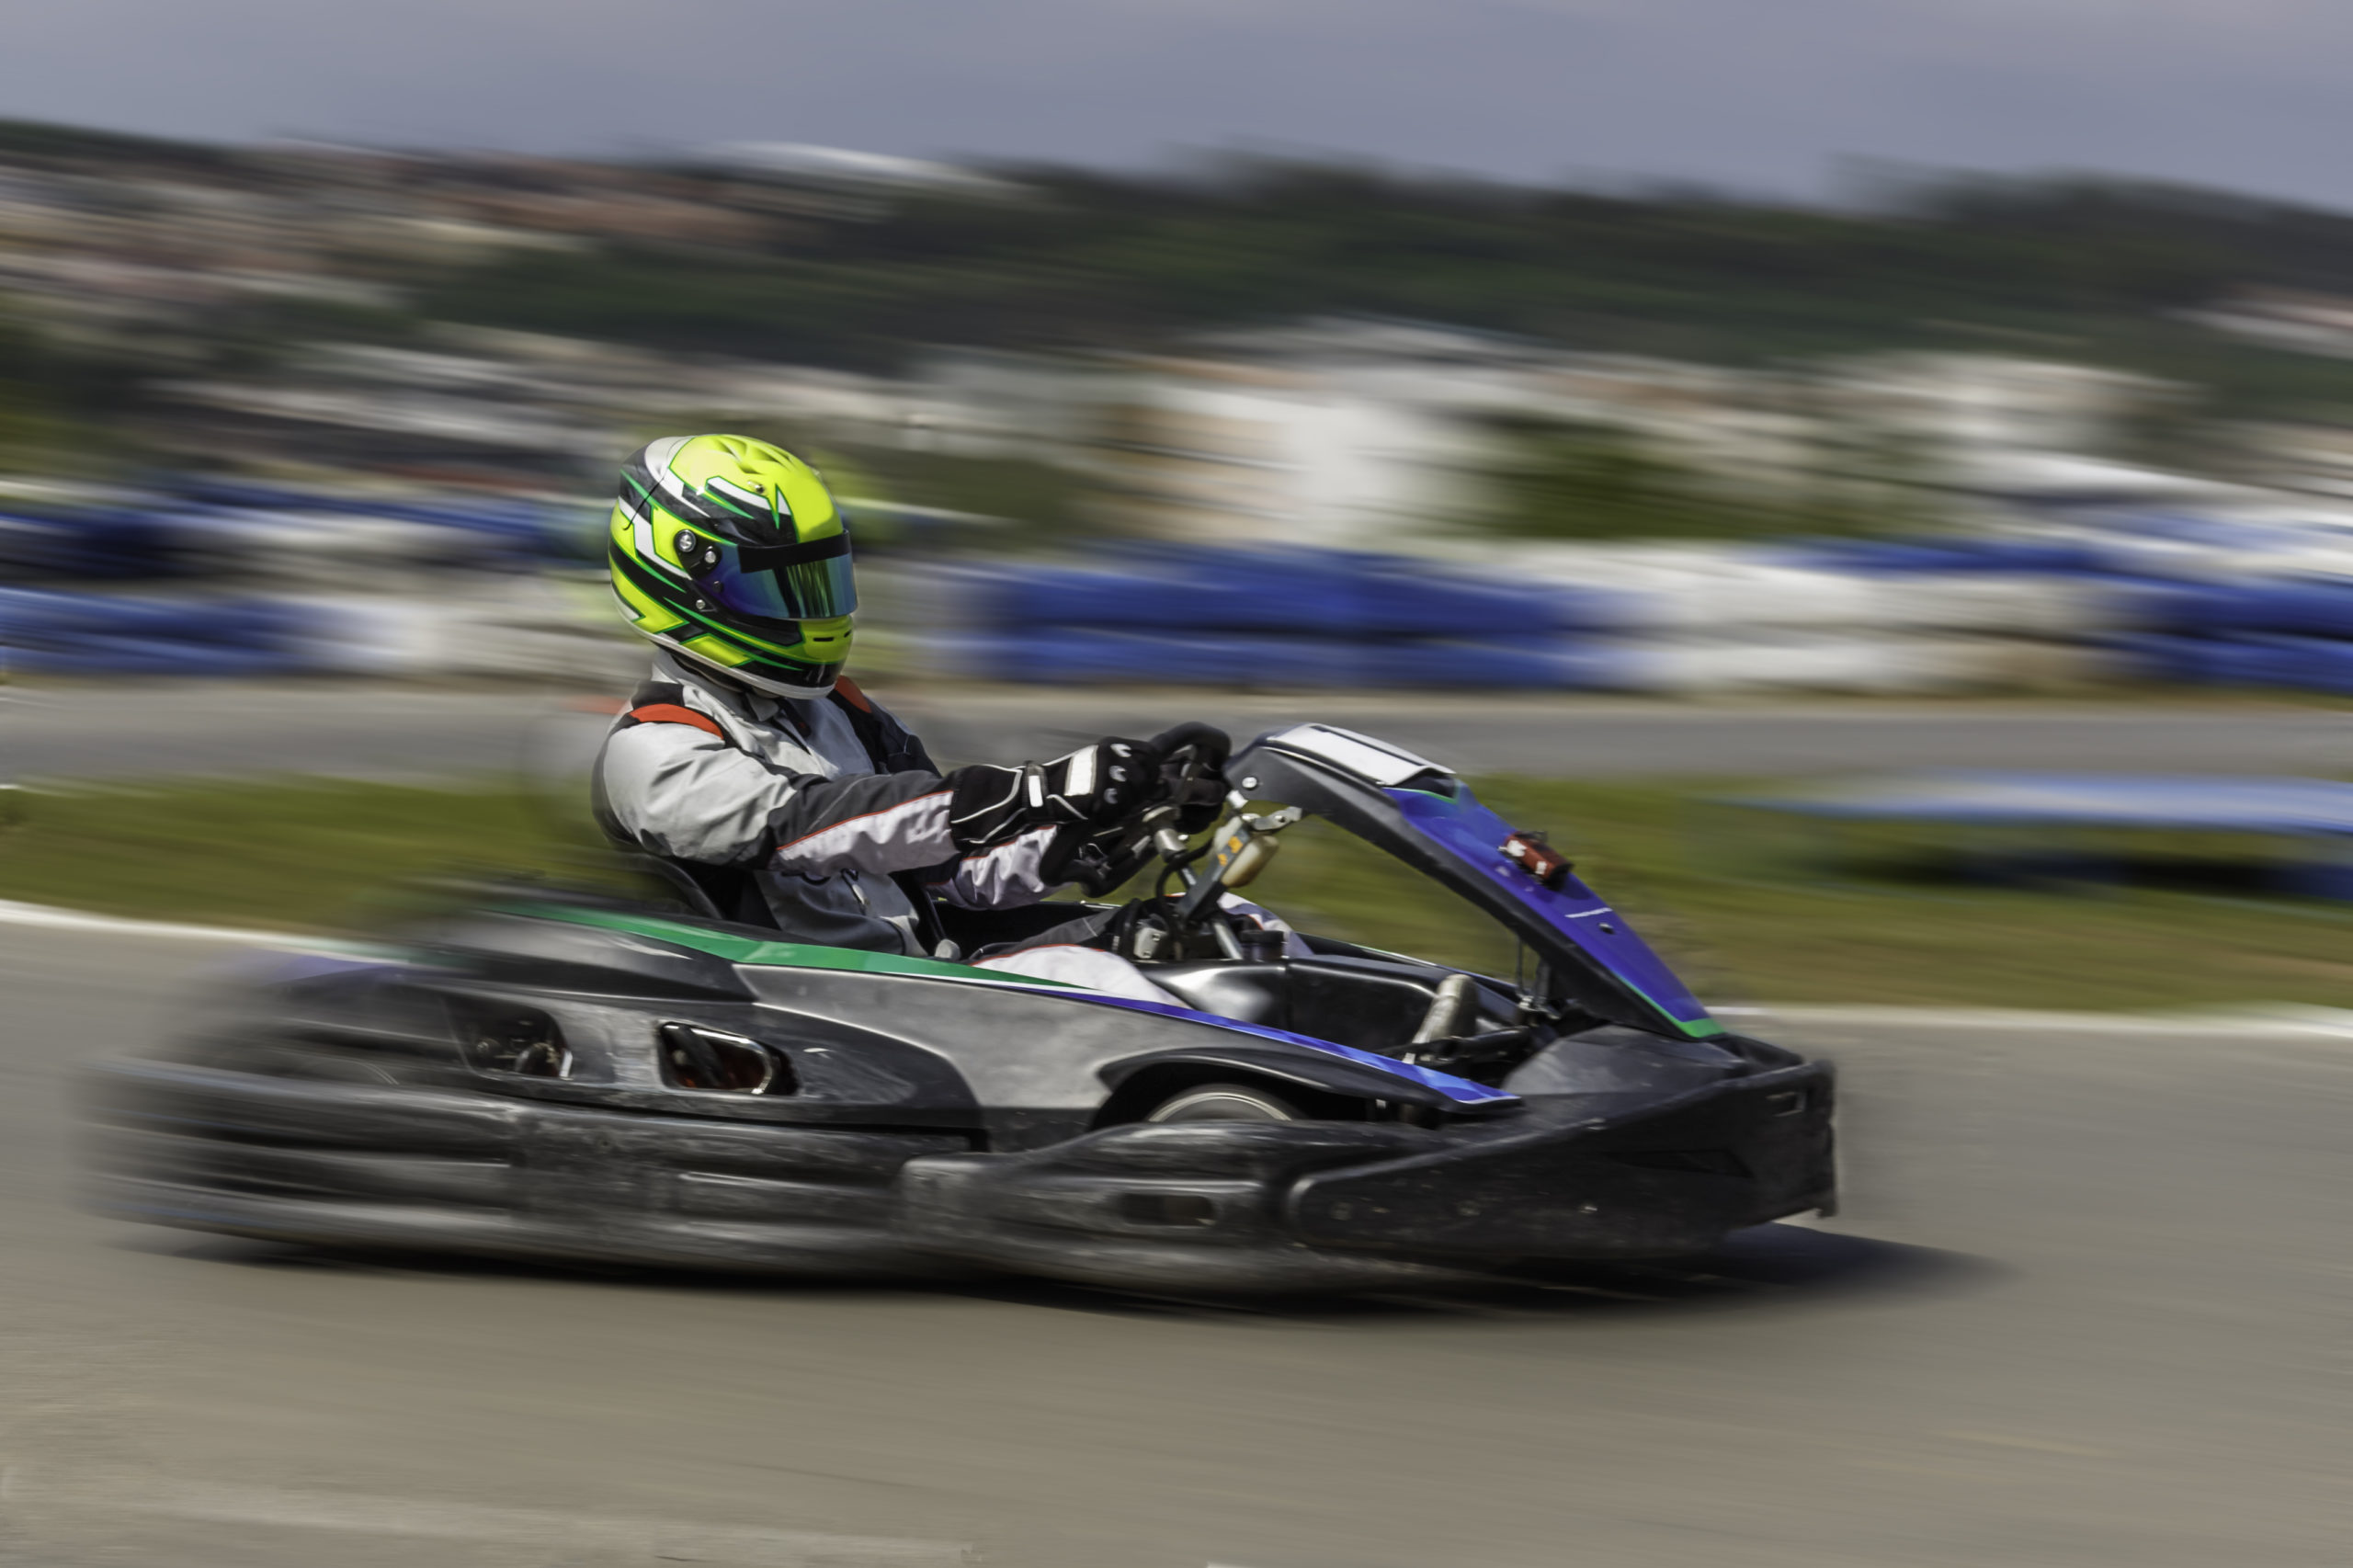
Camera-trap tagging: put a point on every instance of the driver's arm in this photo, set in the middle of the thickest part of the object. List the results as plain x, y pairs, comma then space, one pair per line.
1007, 820
691, 796
1004, 876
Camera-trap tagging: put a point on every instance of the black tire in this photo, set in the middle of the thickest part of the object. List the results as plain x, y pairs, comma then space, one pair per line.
1225, 1102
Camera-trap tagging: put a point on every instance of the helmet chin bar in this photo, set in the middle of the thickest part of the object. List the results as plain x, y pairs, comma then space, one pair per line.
735, 676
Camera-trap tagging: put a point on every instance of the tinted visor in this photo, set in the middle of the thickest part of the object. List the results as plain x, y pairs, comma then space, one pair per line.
794, 582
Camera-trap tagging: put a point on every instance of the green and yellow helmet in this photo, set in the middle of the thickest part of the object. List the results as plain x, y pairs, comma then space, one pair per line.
730, 551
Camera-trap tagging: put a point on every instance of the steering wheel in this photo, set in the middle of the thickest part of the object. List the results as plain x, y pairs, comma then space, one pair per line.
1192, 786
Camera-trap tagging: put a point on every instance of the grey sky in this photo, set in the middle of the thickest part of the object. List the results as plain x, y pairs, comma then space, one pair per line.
2243, 92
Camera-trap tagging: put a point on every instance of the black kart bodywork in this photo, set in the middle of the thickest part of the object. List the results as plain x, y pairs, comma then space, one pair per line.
588, 1079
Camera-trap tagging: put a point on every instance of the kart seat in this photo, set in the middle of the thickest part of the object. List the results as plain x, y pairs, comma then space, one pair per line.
714, 892
728, 894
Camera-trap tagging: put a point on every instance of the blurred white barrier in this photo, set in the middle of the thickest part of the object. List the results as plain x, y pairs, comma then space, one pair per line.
510, 627
334, 550
1725, 665
1716, 588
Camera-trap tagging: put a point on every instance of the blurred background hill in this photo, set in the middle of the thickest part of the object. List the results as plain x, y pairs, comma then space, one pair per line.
126, 254
1250, 421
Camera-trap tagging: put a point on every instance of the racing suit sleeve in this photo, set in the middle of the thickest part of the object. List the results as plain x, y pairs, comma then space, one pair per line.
682, 793
1004, 876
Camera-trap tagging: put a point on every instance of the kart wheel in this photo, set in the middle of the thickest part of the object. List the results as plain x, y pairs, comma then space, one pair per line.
1225, 1102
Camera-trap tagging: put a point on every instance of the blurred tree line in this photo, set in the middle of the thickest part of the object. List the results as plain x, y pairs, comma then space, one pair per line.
2079, 269
53, 401
1557, 480
2084, 270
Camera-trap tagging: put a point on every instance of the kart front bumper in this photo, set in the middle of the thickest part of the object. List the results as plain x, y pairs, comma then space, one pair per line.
1258, 1206
1205, 1206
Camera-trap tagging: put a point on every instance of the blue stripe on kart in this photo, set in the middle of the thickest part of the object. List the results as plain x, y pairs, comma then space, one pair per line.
1475, 835
1461, 1090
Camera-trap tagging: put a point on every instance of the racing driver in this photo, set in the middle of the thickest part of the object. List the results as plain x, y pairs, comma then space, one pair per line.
751, 761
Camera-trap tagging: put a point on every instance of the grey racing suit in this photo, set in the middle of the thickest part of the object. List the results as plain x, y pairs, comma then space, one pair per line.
788, 791
839, 850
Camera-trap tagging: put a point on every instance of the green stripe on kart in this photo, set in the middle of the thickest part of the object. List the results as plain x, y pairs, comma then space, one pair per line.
782, 955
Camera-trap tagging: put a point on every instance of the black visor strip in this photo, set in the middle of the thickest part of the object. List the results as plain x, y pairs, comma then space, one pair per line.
669, 594
767, 558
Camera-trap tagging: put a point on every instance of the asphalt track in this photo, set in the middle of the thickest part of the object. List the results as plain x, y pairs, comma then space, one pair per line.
2086, 1307
135, 730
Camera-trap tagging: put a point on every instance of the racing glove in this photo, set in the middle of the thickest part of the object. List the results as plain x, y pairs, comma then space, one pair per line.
1094, 789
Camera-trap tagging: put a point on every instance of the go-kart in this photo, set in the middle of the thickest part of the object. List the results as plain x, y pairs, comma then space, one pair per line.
587, 1077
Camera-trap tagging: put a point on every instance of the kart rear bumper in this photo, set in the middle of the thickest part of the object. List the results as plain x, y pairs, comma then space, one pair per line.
1207, 1206
363, 1164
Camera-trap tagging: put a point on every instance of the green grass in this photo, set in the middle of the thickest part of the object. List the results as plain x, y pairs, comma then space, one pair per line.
1749, 909
298, 854
1727, 895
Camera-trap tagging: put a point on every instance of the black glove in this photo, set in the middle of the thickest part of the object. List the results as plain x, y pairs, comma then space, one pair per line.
1187, 796
1094, 789
1192, 773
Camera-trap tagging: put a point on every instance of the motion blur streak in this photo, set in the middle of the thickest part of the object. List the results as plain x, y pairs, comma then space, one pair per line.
662, 1540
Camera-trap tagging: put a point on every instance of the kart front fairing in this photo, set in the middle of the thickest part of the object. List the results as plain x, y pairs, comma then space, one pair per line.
1426, 816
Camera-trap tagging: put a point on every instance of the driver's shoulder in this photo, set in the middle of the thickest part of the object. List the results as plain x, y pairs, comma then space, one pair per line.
862, 712
848, 694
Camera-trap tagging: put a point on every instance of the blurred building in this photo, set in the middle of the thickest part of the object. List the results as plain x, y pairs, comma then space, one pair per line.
2286, 318
1963, 417
841, 181
1206, 451
1369, 434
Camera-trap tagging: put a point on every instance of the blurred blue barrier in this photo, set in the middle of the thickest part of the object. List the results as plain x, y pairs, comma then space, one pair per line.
1170, 613
31, 617
75, 633
521, 520
137, 656
91, 544
1290, 592
2318, 608
1296, 617
2295, 663
61, 564
1953, 553
1079, 655
2318, 812
200, 526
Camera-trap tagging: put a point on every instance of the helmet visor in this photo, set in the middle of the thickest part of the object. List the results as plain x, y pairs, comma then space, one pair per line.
794, 582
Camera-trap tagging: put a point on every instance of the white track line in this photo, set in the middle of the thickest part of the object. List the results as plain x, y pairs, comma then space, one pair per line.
55, 918
653, 1539
2251, 1021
